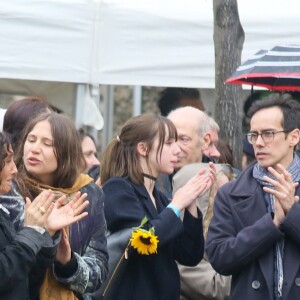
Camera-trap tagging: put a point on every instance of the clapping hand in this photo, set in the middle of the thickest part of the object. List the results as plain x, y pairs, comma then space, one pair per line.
39, 210
195, 187
64, 215
284, 191
43, 212
63, 254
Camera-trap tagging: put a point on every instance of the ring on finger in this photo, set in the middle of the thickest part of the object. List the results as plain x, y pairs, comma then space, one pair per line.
42, 210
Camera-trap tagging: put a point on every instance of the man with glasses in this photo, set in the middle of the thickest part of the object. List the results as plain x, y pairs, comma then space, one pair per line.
254, 234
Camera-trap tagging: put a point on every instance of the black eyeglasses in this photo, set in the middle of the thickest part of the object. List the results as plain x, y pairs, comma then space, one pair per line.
267, 136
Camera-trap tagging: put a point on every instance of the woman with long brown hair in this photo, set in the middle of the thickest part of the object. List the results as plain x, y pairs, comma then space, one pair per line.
20, 249
51, 158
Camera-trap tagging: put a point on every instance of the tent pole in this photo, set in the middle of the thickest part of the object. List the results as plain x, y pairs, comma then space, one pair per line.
137, 100
108, 115
79, 104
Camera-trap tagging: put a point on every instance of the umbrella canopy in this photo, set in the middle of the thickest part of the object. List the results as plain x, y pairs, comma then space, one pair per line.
277, 69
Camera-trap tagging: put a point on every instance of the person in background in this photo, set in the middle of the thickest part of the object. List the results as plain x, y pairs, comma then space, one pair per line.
19, 250
194, 129
18, 114
197, 133
131, 163
248, 155
172, 98
2, 113
226, 156
50, 157
254, 233
210, 151
89, 150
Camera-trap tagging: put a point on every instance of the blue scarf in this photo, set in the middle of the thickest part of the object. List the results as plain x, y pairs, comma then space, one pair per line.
258, 173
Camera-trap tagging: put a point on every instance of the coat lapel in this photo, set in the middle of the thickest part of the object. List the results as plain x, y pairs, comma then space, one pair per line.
291, 266
145, 199
249, 207
249, 204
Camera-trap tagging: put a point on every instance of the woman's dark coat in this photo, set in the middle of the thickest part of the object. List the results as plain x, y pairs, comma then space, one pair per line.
18, 253
156, 276
242, 237
89, 265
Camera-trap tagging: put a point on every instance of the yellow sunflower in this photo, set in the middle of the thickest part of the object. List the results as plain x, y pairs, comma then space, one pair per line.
144, 241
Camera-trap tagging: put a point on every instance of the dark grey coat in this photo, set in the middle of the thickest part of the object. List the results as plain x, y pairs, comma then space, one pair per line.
18, 251
241, 240
88, 242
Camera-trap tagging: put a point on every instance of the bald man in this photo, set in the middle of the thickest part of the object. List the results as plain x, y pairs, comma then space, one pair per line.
198, 135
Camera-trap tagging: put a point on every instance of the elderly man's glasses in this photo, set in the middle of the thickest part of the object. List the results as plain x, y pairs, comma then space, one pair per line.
267, 136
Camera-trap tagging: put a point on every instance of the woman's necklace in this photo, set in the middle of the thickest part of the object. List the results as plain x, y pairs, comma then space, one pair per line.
149, 176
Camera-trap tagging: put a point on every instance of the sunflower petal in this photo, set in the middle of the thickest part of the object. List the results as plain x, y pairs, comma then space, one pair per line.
145, 242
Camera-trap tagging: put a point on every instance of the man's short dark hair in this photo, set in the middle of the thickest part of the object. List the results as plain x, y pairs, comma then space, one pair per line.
170, 98
290, 109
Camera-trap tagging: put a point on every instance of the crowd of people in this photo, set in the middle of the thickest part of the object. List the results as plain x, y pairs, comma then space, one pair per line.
214, 231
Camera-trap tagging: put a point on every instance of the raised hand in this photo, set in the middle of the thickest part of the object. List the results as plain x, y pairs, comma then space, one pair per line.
64, 215
38, 211
284, 187
194, 188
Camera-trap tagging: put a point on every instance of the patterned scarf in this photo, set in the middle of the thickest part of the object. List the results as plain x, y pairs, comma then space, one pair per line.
14, 203
258, 173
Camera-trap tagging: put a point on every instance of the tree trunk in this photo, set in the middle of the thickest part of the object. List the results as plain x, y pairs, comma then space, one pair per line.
228, 41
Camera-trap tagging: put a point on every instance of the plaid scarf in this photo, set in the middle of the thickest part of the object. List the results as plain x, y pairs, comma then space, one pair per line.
258, 173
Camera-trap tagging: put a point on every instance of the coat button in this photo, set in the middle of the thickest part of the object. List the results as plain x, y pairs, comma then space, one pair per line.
297, 281
256, 284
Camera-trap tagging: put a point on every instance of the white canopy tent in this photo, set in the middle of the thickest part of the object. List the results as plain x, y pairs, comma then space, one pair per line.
132, 42
128, 42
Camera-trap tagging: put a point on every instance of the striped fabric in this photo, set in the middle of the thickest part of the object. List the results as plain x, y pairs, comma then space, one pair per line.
277, 69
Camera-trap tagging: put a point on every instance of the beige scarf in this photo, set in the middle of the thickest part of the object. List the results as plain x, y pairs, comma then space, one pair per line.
51, 289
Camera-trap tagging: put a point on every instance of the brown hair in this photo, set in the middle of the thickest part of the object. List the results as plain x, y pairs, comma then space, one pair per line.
19, 113
67, 148
121, 158
226, 154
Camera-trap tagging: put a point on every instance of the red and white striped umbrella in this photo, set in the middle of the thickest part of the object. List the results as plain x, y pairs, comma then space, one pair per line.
277, 69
